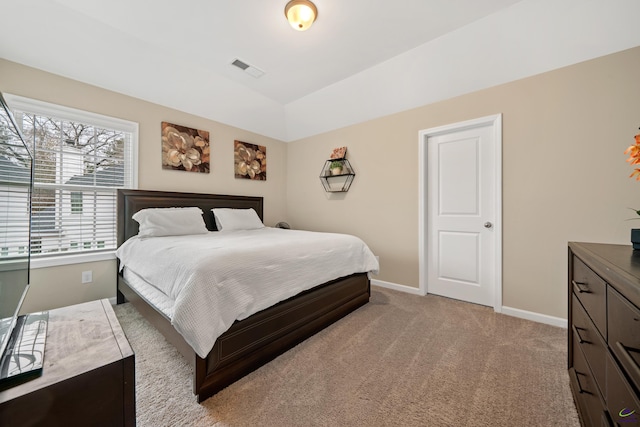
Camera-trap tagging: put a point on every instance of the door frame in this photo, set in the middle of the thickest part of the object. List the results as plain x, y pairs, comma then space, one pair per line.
495, 121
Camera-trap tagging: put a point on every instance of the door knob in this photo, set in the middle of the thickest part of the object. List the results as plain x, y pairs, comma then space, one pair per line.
488, 225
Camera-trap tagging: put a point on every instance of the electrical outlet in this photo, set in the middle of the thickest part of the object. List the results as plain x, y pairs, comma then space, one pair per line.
87, 276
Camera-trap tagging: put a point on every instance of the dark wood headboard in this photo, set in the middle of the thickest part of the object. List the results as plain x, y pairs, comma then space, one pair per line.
131, 201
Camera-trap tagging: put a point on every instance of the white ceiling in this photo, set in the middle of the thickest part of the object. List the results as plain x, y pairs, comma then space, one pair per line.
361, 59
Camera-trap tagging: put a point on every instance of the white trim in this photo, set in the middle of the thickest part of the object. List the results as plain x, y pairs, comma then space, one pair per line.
422, 212
495, 121
536, 317
397, 287
508, 311
80, 258
35, 106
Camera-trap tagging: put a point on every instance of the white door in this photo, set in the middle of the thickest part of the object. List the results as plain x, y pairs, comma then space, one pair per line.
463, 211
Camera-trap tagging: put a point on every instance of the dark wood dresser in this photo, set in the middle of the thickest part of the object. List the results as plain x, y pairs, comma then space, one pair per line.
604, 333
88, 376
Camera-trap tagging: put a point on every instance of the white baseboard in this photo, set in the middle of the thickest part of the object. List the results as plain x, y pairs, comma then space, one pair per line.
536, 317
396, 287
509, 311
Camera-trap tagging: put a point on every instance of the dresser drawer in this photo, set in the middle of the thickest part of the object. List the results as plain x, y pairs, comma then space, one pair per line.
587, 339
591, 291
622, 402
585, 391
624, 333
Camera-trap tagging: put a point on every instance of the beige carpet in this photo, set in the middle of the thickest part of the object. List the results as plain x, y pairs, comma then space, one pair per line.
401, 360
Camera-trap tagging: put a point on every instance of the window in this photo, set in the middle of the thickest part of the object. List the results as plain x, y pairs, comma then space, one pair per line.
36, 246
81, 159
76, 202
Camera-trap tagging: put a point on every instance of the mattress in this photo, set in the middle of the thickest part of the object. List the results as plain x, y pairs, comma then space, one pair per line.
203, 283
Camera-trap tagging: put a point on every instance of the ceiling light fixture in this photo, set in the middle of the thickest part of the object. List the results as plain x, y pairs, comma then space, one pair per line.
300, 14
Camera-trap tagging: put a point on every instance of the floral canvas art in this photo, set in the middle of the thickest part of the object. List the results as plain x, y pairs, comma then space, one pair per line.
250, 161
185, 149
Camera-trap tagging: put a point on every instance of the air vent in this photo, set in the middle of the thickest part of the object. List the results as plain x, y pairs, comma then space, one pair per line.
240, 64
249, 69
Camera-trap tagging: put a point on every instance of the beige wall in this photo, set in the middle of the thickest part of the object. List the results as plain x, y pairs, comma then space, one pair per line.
564, 175
60, 286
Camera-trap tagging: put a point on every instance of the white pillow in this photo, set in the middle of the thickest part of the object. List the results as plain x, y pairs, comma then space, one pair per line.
155, 222
228, 219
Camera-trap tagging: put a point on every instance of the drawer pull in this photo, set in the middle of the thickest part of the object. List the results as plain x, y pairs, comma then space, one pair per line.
630, 361
583, 288
580, 339
580, 389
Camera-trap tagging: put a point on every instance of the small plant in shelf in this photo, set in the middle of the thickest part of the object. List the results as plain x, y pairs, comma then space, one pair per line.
336, 167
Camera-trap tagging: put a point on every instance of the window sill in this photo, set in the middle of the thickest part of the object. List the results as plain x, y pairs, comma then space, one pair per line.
55, 261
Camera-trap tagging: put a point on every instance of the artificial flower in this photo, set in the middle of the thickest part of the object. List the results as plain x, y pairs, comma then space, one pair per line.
634, 157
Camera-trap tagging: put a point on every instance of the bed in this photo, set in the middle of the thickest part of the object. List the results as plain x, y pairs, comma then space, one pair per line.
257, 339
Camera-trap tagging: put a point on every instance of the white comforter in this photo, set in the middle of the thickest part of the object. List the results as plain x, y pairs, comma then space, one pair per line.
219, 277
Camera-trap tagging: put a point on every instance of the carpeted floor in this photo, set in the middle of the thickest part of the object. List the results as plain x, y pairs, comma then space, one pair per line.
401, 360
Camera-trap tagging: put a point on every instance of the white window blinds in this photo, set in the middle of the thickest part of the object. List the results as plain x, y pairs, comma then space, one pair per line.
15, 179
80, 160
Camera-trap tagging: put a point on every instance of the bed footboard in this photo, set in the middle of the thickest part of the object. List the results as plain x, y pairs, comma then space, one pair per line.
260, 338
251, 343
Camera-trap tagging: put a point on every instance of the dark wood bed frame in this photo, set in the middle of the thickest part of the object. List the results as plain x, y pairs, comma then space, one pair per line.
256, 340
